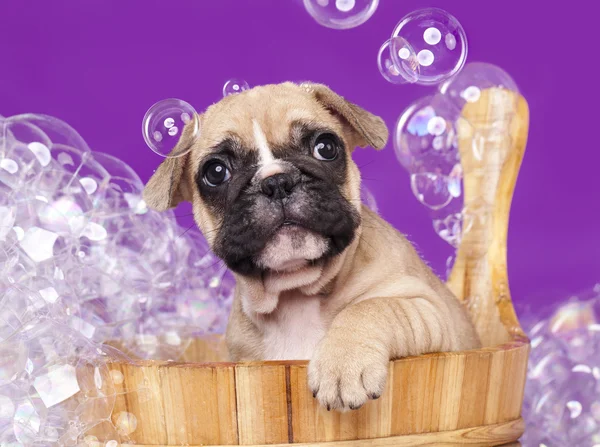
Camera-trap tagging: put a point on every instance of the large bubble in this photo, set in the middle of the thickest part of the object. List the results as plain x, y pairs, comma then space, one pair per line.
426, 136
234, 86
469, 85
428, 46
407, 71
164, 123
341, 14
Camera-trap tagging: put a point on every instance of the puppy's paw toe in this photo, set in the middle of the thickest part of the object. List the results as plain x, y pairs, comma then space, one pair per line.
374, 378
344, 376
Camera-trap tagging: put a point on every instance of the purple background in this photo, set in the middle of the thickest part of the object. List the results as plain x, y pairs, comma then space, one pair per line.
99, 64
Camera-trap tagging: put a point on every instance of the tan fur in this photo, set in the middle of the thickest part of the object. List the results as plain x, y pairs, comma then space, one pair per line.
374, 302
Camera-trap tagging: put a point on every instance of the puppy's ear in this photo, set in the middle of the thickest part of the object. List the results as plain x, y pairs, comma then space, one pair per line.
167, 186
370, 129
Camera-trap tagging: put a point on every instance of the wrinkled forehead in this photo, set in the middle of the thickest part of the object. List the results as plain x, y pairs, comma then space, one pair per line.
272, 113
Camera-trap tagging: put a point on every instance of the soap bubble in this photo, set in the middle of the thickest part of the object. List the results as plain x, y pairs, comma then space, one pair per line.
409, 71
234, 86
164, 123
490, 98
426, 136
56, 131
432, 190
126, 423
341, 14
426, 145
472, 82
434, 42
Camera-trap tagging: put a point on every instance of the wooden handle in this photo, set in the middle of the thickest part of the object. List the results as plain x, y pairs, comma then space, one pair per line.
492, 138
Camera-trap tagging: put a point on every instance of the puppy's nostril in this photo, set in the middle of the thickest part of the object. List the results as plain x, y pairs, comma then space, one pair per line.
278, 186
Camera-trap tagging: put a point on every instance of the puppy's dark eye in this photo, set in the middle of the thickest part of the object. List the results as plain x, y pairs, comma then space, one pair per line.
216, 173
326, 148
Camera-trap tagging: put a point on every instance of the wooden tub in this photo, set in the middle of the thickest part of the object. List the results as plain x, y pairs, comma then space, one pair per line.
461, 398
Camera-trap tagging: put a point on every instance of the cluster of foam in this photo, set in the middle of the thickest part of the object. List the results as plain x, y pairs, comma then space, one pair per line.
562, 394
84, 262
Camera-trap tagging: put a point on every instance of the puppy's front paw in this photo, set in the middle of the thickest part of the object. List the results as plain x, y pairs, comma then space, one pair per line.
344, 372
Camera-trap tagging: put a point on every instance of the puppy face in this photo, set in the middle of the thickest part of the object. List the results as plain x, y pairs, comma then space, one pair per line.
271, 178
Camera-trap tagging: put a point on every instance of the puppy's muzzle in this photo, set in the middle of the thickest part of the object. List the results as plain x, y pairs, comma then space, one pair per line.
277, 180
278, 186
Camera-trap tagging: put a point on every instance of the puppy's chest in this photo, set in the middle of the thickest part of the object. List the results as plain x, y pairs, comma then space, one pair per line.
294, 329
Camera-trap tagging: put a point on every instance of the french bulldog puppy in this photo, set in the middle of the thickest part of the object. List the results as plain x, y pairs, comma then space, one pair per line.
319, 276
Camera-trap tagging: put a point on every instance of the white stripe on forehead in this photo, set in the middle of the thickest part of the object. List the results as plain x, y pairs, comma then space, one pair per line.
264, 151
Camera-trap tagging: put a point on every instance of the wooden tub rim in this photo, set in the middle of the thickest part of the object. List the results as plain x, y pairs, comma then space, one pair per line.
519, 342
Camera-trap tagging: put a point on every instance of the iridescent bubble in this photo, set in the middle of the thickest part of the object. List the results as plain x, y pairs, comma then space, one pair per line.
55, 131
570, 317
235, 86
27, 423
17, 133
438, 40
432, 190
409, 67
341, 14
468, 86
426, 136
163, 126
126, 423
449, 228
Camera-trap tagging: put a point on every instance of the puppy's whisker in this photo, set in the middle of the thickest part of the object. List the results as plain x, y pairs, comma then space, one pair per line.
217, 262
366, 164
188, 229
183, 215
365, 241
214, 230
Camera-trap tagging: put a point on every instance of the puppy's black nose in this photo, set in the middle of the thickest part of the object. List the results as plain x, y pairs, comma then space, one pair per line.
278, 186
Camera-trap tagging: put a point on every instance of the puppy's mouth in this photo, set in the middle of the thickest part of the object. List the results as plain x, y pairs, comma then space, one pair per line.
288, 226
291, 247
